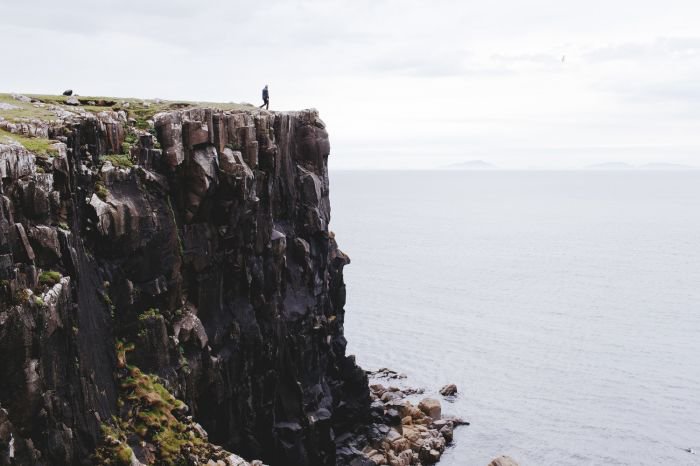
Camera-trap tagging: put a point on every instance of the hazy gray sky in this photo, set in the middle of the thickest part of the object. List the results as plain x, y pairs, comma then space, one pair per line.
400, 83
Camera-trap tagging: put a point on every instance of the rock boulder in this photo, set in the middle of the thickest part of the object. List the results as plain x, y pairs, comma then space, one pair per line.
430, 407
503, 461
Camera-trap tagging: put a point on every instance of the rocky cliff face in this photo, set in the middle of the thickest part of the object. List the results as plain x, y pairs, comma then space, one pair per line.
210, 256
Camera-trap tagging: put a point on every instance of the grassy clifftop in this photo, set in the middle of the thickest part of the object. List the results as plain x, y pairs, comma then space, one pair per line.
44, 107
19, 109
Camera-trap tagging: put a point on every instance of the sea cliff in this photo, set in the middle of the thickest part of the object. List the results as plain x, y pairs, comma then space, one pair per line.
170, 289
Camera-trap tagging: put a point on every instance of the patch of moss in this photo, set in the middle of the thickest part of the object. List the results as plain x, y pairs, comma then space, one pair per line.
124, 454
23, 110
49, 277
131, 138
22, 296
150, 313
101, 190
151, 414
119, 160
126, 148
154, 406
115, 450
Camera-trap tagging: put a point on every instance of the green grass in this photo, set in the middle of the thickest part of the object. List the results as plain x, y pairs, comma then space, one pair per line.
131, 138
116, 451
101, 190
37, 146
25, 110
22, 296
119, 160
150, 413
136, 109
49, 277
150, 313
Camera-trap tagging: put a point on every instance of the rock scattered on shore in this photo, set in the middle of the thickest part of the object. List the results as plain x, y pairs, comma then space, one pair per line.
404, 434
431, 407
449, 390
385, 373
503, 461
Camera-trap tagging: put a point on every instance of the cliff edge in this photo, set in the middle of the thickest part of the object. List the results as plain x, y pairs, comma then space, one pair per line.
170, 290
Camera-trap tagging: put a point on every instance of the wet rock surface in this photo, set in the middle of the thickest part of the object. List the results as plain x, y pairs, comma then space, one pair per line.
204, 242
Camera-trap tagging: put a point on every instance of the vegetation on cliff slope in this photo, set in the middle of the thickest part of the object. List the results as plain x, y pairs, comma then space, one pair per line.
37, 146
119, 160
151, 419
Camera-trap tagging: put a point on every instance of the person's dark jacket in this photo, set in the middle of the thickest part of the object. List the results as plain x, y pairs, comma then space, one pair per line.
266, 95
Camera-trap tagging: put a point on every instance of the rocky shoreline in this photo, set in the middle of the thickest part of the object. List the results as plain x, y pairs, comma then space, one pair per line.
400, 432
412, 434
406, 428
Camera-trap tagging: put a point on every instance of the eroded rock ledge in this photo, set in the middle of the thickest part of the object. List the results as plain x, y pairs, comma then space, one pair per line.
204, 242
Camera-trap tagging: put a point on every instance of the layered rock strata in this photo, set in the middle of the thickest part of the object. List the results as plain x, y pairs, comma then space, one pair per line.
204, 243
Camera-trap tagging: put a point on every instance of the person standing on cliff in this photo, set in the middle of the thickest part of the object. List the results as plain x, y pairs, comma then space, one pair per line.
266, 98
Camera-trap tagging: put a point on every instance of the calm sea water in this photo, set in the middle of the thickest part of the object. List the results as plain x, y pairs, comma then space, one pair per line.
564, 305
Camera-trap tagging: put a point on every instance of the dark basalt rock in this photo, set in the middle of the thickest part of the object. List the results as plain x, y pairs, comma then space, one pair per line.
213, 256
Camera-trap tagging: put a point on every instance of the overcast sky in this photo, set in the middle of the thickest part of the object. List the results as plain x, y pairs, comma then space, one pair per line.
401, 84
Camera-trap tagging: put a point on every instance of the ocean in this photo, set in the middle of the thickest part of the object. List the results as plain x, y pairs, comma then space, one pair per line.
565, 305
